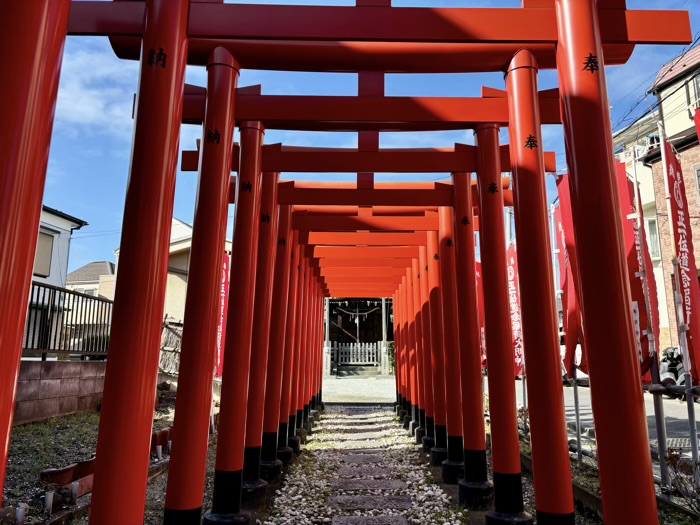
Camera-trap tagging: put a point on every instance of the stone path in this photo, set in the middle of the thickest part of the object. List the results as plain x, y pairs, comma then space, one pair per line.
360, 467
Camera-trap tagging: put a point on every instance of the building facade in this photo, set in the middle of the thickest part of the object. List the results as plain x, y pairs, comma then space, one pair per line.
677, 89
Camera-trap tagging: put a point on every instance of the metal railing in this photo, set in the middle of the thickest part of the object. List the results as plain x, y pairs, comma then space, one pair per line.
61, 321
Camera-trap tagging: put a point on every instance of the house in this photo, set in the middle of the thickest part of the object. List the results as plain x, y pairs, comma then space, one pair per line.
178, 269
677, 88
95, 278
49, 305
53, 246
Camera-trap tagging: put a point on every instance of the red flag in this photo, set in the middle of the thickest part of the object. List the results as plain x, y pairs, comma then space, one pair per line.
514, 307
688, 273
697, 120
573, 325
223, 309
635, 248
480, 291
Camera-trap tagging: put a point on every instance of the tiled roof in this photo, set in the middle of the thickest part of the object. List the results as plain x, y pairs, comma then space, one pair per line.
677, 68
91, 272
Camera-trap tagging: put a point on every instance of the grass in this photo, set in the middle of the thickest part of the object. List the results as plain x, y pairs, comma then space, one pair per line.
52, 443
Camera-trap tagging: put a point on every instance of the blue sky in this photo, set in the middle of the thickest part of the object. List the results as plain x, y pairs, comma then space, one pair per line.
91, 146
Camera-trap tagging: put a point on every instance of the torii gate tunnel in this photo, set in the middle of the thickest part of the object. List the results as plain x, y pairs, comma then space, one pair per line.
295, 243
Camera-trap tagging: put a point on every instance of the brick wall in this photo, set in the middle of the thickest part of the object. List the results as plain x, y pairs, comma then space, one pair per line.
690, 160
56, 388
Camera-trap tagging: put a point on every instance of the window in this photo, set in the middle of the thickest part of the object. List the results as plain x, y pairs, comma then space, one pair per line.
44, 252
654, 246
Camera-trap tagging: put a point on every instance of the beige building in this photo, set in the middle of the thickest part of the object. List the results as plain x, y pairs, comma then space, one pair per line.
677, 88
103, 284
632, 144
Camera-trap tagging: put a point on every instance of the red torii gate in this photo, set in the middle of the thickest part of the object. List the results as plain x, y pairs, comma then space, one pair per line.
576, 36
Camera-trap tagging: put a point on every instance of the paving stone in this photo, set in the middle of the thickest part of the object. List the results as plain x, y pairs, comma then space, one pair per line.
369, 520
370, 502
364, 450
364, 472
363, 436
368, 484
361, 447
362, 459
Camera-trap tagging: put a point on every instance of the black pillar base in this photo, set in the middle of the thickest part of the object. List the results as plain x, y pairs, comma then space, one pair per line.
407, 421
225, 519
322, 406
475, 495
437, 456
182, 517
271, 471
309, 425
420, 434
301, 434
452, 471
316, 415
402, 414
428, 443
412, 426
285, 455
497, 518
295, 444
547, 518
254, 492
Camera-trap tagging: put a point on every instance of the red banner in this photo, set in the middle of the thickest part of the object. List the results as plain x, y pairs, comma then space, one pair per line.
635, 248
683, 238
514, 308
573, 325
697, 120
480, 291
223, 309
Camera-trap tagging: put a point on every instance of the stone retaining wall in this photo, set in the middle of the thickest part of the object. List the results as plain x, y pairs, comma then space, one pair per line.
57, 388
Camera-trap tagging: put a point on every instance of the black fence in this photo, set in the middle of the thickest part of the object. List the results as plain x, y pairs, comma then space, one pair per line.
61, 321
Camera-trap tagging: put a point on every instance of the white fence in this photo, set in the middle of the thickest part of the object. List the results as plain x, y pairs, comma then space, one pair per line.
357, 353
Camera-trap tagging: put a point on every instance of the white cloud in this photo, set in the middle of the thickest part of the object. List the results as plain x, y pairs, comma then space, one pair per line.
96, 91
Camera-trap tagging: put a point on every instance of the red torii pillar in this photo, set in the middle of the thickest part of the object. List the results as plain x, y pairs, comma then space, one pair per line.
420, 349
279, 348
188, 460
302, 420
287, 440
295, 424
411, 351
505, 442
400, 412
254, 488
438, 453
31, 57
228, 474
550, 448
122, 461
626, 476
427, 439
454, 463
401, 350
475, 490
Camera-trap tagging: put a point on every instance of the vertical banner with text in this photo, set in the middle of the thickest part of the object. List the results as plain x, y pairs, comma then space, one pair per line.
223, 309
514, 307
573, 323
688, 272
480, 291
636, 251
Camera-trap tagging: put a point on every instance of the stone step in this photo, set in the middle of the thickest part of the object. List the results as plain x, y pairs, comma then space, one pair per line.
370, 502
368, 484
362, 459
369, 520
364, 472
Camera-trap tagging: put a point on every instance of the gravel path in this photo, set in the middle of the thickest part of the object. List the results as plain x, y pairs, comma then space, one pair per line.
360, 468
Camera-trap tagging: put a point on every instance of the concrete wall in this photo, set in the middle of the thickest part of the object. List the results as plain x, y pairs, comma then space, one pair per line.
56, 388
